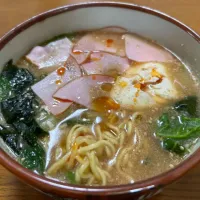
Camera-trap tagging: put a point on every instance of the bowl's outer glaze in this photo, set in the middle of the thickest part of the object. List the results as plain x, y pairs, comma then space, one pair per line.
167, 31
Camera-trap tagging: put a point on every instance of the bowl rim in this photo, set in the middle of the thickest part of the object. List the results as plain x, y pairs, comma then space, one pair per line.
56, 187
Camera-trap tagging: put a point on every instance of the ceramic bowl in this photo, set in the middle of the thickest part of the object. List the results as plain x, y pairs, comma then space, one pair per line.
169, 32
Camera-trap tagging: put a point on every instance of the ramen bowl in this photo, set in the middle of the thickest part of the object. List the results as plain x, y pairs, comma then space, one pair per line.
165, 30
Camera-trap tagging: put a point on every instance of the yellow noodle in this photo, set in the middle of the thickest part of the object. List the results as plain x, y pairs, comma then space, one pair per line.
84, 150
114, 128
122, 137
91, 180
79, 159
98, 132
93, 165
59, 164
75, 132
119, 162
79, 172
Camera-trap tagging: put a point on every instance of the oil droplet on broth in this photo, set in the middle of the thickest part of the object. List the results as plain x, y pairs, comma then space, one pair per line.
58, 82
61, 71
103, 104
109, 42
107, 87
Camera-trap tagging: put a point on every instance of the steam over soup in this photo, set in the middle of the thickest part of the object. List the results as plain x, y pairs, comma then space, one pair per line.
104, 107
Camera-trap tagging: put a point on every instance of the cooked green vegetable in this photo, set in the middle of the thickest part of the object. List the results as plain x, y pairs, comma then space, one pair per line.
5, 89
71, 177
33, 157
70, 36
187, 106
45, 120
179, 125
17, 109
173, 145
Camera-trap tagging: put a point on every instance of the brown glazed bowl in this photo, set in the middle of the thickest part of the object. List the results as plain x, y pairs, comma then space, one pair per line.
169, 32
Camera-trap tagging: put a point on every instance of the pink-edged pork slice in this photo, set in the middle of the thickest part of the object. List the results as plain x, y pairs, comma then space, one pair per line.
80, 56
52, 55
105, 63
84, 89
140, 50
110, 42
50, 84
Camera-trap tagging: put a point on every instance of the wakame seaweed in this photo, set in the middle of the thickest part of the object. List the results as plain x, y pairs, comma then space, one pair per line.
18, 78
11, 138
22, 132
180, 125
19, 107
33, 157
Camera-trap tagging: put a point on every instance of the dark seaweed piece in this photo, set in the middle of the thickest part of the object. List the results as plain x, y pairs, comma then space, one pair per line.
19, 78
9, 70
33, 157
19, 108
23, 131
22, 79
24, 143
27, 132
187, 106
11, 138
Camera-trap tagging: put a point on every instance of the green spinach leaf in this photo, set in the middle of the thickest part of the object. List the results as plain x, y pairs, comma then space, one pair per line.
33, 157
5, 89
23, 131
71, 177
179, 125
187, 106
174, 145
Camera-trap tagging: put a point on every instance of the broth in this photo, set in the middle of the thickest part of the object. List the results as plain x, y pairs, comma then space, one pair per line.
108, 107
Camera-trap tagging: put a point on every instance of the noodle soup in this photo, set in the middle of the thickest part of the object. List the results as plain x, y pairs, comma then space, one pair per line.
103, 107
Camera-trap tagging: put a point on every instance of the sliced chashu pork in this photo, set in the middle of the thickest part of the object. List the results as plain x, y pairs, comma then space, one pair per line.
51, 56
110, 42
84, 90
50, 84
105, 63
143, 86
141, 50
80, 56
